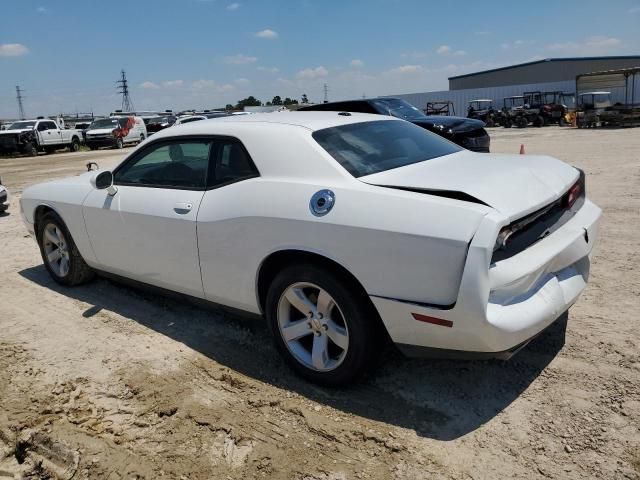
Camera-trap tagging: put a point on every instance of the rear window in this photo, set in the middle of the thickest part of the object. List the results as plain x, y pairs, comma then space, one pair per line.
372, 147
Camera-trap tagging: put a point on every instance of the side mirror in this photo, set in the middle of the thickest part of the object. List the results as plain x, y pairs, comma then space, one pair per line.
104, 180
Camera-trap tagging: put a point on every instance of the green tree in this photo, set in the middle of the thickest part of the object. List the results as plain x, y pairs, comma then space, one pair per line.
288, 101
276, 100
250, 101
304, 98
228, 107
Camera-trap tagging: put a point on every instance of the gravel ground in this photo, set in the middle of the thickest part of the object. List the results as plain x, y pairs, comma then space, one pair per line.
106, 381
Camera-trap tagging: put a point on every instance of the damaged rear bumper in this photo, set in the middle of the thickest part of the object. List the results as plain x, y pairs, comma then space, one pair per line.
500, 307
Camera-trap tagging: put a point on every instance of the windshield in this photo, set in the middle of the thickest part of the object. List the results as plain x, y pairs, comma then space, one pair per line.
398, 108
105, 123
372, 147
21, 125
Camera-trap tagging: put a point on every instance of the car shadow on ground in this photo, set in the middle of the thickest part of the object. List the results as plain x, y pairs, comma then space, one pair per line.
440, 399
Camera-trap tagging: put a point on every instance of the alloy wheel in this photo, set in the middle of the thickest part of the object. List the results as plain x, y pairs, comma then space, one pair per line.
56, 249
313, 327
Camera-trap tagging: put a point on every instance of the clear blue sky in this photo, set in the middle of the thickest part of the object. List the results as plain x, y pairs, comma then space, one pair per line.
67, 54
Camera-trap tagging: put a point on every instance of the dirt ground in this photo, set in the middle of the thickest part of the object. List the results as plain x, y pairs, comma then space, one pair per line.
106, 381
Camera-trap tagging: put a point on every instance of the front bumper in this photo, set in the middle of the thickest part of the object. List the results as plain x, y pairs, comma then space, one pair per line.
100, 141
502, 306
476, 144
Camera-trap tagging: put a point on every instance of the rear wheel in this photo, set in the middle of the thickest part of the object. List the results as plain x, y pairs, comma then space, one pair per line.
74, 146
119, 143
141, 138
507, 123
325, 329
521, 122
59, 252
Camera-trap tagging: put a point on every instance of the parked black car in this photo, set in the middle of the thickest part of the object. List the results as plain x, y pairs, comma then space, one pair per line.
155, 124
466, 132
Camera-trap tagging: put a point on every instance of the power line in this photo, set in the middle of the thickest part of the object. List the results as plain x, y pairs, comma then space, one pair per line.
19, 97
123, 88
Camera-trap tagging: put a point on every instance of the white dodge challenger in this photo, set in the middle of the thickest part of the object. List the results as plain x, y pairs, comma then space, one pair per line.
344, 230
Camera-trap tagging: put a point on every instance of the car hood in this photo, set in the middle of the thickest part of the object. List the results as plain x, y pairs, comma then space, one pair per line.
100, 131
15, 132
515, 185
456, 124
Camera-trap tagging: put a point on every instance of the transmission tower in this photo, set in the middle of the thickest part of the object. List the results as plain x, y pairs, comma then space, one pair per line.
19, 97
326, 93
123, 88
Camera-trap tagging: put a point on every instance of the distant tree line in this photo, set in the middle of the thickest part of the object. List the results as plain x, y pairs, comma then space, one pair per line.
252, 101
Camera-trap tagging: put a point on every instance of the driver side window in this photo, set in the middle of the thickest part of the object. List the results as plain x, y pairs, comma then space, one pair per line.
180, 164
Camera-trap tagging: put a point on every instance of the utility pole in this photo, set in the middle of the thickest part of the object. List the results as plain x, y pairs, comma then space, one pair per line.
326, 93
123, 88
19, 97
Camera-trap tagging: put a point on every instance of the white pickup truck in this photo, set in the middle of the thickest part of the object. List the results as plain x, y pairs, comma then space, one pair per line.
43, 134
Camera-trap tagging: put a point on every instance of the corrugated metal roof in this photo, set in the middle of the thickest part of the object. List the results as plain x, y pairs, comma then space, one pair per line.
535, 62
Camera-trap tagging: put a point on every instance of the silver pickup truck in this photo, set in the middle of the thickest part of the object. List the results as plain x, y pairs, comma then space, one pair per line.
32, 136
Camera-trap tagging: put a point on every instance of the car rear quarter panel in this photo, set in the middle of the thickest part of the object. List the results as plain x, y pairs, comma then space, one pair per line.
397, 244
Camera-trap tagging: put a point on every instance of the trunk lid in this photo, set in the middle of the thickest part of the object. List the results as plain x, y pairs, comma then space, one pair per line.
515, 185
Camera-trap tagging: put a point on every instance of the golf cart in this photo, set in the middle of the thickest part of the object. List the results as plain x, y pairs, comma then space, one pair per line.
517, 112
444, 107
590, 106
483, 109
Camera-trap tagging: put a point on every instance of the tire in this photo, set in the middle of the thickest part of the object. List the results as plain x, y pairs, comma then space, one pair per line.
562, 122
141, 138
355, 325
53, 236
539, 121
507, 123
119, 143
30, 150
74, 146
521, 122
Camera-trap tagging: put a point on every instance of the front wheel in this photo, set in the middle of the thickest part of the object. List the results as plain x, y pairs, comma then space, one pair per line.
325, 328
30, 150
141, 138
59, 252
119, 143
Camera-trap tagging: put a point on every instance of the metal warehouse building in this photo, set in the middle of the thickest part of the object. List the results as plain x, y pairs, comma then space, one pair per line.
550, 74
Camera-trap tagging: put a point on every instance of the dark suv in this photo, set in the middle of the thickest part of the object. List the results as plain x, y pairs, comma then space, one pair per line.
466, 132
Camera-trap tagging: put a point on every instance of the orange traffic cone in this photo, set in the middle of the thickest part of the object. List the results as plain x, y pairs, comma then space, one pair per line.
522, 149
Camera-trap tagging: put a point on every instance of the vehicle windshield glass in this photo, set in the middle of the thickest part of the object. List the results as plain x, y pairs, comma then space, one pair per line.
21, 125
105, 123
371, 147
157, 120
399, 108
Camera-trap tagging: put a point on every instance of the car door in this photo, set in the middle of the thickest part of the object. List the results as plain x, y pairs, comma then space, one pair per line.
44, 134
147, 230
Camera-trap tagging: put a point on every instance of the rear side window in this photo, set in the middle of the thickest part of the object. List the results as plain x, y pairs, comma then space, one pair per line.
371, 147
231, 163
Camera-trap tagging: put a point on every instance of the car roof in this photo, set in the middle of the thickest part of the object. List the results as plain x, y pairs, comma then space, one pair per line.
310, 120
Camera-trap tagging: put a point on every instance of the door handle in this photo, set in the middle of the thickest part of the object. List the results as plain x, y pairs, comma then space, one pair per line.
182, 207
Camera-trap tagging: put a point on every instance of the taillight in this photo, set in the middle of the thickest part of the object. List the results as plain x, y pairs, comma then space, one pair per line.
575, 192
